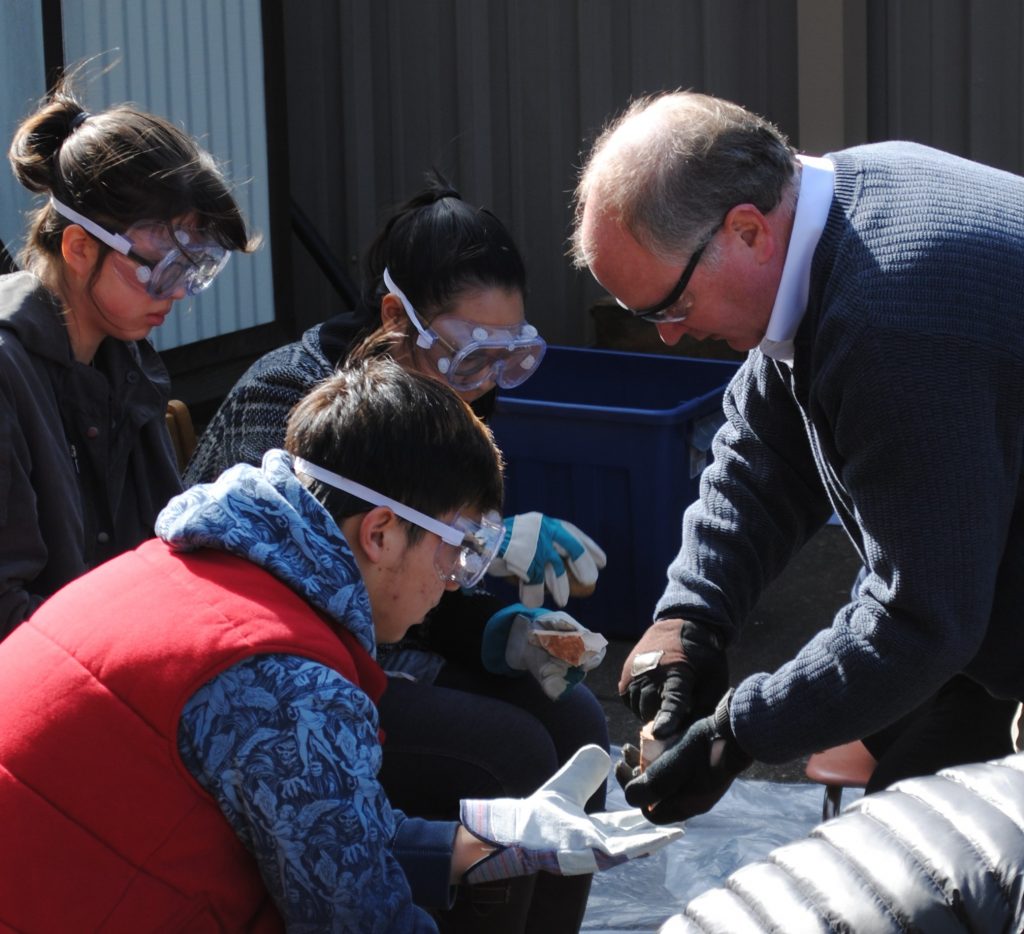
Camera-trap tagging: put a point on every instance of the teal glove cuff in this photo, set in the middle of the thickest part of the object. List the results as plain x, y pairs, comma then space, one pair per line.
495, 639
548, 644
573, 676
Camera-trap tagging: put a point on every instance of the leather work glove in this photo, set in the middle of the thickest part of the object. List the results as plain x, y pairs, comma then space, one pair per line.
549, 644
550, 831
689, 777
674, 674
540, 550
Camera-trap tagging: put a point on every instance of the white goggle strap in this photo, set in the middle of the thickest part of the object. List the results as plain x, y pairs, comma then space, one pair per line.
447, 533
115, 241
426, 338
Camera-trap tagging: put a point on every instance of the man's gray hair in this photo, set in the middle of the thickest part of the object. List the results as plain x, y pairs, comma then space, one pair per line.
672, 166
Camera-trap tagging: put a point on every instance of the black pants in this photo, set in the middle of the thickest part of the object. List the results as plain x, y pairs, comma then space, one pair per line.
961, 723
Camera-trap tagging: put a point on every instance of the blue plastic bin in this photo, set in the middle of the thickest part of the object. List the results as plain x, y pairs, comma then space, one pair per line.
614, 442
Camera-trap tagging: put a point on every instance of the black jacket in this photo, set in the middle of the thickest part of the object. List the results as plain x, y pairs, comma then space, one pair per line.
86, 462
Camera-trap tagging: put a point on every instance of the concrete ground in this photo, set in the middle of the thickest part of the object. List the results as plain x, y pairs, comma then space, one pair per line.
798, 604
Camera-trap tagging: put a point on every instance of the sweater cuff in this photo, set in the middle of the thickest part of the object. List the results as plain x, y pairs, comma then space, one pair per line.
423, 848
723, 725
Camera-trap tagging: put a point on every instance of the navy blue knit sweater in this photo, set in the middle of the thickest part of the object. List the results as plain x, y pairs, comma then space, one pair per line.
904, 413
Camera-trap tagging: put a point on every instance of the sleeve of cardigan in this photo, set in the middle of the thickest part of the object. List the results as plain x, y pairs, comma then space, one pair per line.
253, 417
424, 849
925, 438
760, 500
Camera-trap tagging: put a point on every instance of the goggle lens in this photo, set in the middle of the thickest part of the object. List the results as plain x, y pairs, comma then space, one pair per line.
196, 270
466, 564
469, 354
473, 367
197, 265
467, 547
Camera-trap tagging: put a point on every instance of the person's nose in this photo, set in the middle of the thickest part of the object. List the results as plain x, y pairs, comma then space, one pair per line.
451, 585
470, 396
670, 332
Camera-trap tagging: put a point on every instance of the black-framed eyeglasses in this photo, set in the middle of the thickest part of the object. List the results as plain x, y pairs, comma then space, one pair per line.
661, 313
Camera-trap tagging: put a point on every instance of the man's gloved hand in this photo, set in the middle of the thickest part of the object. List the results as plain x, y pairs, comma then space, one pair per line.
674, 674
550, 831
549, 644
690, 776
537, 549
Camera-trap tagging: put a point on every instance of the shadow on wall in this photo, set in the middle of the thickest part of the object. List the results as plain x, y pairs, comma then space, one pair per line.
616, 329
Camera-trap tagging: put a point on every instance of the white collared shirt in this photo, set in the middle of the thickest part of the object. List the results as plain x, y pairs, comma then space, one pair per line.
817, 179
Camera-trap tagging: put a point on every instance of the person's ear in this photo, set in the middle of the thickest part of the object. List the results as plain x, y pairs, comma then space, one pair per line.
752, 227
377, 533
392, 312
78, 250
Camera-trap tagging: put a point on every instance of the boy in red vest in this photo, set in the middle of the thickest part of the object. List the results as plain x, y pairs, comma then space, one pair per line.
188, 733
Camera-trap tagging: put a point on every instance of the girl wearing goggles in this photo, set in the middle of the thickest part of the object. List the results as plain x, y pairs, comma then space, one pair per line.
133, 216
471, 354
183, 263
448, 286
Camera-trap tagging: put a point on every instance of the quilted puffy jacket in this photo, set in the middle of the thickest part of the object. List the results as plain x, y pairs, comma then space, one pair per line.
944, 853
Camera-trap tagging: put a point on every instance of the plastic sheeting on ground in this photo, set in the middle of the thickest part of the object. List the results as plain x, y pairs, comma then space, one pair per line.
751, 820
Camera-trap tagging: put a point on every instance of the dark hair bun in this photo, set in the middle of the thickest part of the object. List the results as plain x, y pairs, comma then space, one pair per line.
37, 142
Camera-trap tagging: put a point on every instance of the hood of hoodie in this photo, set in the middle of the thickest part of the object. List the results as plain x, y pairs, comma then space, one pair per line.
35, 317
266, 516
32, 313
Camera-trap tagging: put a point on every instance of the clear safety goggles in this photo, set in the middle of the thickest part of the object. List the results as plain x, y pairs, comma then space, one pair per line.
193, 264
467, 547
468, 354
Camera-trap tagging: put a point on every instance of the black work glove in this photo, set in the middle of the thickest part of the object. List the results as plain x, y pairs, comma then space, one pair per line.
674, 674
689, 777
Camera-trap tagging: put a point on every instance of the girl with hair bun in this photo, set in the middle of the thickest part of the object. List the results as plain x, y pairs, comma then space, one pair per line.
134, 216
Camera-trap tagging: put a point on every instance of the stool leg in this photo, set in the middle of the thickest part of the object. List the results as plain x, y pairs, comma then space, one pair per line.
833, 797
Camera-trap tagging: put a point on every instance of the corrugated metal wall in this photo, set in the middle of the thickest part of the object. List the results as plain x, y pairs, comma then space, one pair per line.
21, 70
200, 64
502, 95
949, 73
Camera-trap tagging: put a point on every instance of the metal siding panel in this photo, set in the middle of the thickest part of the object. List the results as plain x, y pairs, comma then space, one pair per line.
366, 98
21, 45
425, 89
993, 91
948, 73
500, 94
504, 94
198, 63
948, 104
475, 104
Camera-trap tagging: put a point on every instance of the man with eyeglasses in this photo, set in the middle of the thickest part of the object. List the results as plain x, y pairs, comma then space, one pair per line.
878, 292
188, 734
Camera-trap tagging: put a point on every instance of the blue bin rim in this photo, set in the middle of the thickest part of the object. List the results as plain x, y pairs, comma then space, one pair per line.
578, 410
511, 405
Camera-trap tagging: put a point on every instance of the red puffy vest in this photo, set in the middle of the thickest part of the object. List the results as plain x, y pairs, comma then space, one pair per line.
102, 828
